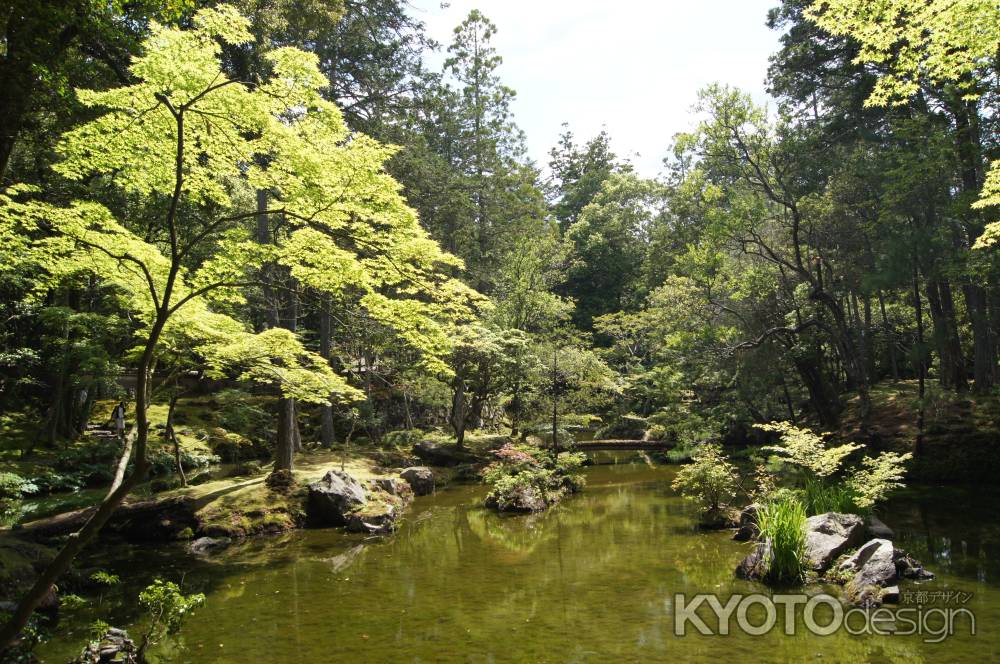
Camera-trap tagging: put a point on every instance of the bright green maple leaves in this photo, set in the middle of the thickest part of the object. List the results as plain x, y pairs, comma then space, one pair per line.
186, 139
948, 42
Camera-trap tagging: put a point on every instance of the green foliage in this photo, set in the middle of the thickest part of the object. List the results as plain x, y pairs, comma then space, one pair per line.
869, 482
71, 602
872, 482
98, 629
710, 480
806, 449
821, 496
239, 412
14, 487
782, 523
166, 610
403, 437
103, 578
942, 40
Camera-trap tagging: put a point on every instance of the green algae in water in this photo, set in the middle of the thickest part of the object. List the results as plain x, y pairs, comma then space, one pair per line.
590, 581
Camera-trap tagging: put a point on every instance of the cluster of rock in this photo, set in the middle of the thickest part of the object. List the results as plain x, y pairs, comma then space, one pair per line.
338, 499
523, 500
114, 646
841, 548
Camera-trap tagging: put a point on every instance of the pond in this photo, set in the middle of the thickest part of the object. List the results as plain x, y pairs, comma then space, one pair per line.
593, 580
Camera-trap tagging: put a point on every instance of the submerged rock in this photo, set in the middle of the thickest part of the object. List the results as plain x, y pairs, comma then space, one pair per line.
420, 479
204, 546
747, 528
829, 535
332, 498
754, 566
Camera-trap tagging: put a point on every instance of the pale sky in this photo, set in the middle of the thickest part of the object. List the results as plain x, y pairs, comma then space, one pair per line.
632, 66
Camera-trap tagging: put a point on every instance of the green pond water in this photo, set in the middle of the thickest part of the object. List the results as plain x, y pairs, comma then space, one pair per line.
593, 580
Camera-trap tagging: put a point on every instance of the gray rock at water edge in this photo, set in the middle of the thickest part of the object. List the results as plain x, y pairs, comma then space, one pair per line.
909, 568
754, 566
890, 595
747, 528
204, 546
380, 522
829, 535
420, 479
332, 498
874, 568
876, 529
394, 486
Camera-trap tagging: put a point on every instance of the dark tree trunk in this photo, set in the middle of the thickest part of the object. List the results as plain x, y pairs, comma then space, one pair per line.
171, 435
920, 360
890, 335
983, 357
458, 417
952, 364
822, 398
326, 429
284, 453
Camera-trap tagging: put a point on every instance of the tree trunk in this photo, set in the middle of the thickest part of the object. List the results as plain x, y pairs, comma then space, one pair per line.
326, 429
920, 361
458, 417
171, 435
284, 452
823, 400
983, 357
952, 364
890, 334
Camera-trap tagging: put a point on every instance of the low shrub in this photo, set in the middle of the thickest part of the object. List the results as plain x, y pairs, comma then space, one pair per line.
710, 480
526, 478
15, 487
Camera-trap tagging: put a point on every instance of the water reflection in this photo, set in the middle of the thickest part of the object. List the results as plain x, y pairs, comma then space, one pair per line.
590, 581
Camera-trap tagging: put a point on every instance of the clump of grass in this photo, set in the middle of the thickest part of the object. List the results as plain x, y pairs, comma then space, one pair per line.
819, 497
782, 523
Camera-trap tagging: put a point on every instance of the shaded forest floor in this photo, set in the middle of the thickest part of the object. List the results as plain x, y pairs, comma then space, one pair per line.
961, 431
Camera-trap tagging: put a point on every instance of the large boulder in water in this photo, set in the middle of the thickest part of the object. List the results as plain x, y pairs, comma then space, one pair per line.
829, 535
747, 528
420, 479
754, 566
873, 568
332, 498
375, 518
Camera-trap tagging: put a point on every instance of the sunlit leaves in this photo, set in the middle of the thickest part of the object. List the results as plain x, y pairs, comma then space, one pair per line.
946, 41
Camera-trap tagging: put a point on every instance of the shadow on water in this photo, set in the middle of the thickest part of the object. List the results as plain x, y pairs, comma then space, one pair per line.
592, 580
